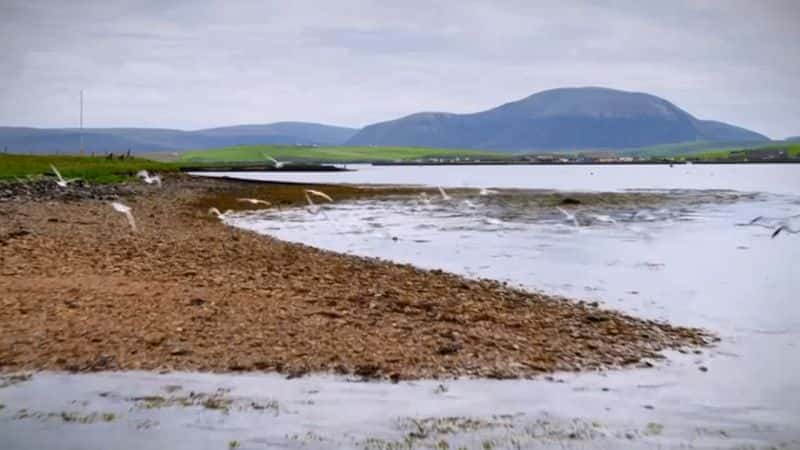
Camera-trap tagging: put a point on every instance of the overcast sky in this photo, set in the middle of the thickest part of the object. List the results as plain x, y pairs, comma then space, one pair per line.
201, 63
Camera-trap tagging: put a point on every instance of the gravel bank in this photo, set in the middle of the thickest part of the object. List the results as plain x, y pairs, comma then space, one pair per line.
79, 291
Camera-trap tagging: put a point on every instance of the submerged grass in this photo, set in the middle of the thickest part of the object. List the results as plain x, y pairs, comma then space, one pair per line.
288, 195
67, 416
94, 169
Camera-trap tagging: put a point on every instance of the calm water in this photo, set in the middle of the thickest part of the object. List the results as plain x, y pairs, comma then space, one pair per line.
685, 261
776, 178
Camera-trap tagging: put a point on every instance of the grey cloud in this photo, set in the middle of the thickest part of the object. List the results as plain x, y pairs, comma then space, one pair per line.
204, 63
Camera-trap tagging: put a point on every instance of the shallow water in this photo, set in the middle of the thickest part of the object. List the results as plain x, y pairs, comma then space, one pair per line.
685, 261
776, 178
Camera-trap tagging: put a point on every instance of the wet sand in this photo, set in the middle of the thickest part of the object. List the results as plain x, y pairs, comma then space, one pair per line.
81, 292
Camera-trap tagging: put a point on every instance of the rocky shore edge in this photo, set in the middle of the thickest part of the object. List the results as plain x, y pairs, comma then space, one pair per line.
82, 292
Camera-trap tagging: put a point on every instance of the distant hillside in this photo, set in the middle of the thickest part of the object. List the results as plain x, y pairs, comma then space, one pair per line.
314, 132
566, 119
793, 139
67, 140
559, 119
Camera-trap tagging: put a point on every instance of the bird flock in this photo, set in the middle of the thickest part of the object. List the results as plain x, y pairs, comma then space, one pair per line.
576, 218
119, 207
778, 225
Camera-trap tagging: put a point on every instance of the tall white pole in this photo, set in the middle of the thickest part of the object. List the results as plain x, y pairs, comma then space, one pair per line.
81, 133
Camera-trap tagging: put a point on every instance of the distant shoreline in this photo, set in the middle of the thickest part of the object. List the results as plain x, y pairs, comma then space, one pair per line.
587, 163
231, 167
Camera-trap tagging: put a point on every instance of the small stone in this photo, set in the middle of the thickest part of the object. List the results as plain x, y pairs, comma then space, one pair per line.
449, 348
154, 338
597, 318
71, 304
240, 366
367, 370
296, 372
103, 362
179, 351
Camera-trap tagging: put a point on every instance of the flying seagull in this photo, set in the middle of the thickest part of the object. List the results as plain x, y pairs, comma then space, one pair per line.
445, 197
469, 204
786, 228
603, 218
312, 208
643, 215
760, 221
773, 223
275, 162
318, 194
569, 216
61, 182
149, 179
125, 209
254, 201
789, 224
423, 197
215, 212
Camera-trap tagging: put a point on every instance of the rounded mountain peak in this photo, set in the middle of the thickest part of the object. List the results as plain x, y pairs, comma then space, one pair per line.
596, 102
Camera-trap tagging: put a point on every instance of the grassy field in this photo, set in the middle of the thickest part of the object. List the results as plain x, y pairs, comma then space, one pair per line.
94, 169
253, 153
792, 151
703, 149
679, 150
